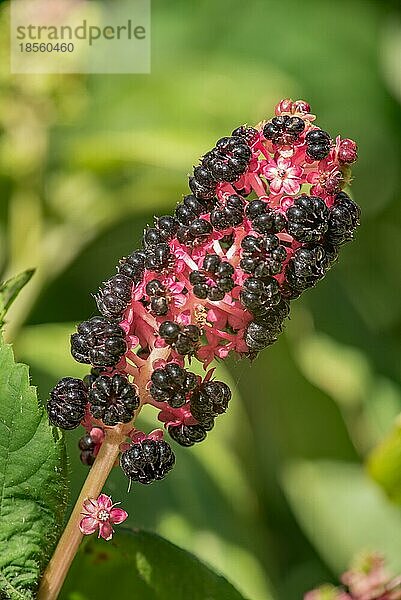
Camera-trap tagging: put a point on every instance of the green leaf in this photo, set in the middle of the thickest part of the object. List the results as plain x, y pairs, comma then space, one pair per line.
343, 512
384, 463
32, 481
10, 289
144, 565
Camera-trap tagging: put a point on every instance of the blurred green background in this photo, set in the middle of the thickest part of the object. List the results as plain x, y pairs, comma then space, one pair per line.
277, 498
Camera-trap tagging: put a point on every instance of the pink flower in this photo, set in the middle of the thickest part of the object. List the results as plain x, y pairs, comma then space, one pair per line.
325, 180
347, 151
101, 514
284, 177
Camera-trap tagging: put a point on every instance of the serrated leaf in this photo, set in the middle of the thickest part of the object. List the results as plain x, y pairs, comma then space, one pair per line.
145, 565
32, 481
10, 289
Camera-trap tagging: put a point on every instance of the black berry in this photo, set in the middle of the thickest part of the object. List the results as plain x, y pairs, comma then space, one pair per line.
229, 215
114, 296
308, 265
147, 461
184, 339
248, 134
214, 280
262, 256
172, 384
264, 330
113, 399
158, 302
308, 219
263, 219
87, 446
158, 257
284, 129
98, 341
259, 296
343, 220
67, 402
188, 435
210, 400
318, 144
133, 266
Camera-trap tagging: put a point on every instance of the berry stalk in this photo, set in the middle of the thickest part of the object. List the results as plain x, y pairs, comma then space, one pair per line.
58, 567
109, 451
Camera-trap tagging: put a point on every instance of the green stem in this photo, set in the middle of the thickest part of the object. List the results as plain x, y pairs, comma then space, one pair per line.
58, 567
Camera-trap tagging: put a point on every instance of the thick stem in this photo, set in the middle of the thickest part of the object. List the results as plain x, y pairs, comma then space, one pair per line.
57, 569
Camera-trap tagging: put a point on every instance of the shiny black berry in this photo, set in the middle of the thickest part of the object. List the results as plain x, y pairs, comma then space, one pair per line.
202, 191
172, 384
264, 330
308, 265
158, 302
133, 266
198, 229
98, 341
67, 402
147, 461
263, 219
184, 339
114, 296
308, 219
167, 225
259, 296
158, 257
210, 400
113, 399
284, 129
343, 220
169, 331
318, 144
229, 215
248, 134
188, 435
214, 280
262, 256
87, 446
228, 160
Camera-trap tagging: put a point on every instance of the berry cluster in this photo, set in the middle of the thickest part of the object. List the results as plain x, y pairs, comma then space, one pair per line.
147, 461
265, 220
214, 280
284, 129
113, 399
184, 339
172, 384
99, 342
67, 403
318, 144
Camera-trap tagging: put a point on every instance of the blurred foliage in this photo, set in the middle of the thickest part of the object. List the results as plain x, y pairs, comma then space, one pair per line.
276, 499
146, 564
384, 463
10, 289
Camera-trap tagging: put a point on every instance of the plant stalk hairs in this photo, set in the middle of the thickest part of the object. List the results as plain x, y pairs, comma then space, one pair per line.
265, 220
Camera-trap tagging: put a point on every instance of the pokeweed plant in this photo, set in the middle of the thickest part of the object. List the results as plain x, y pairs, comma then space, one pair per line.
265, 220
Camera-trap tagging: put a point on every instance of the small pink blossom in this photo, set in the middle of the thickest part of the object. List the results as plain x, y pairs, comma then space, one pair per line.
325, 181
298, 108
347, 151
284, 176
101, 515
